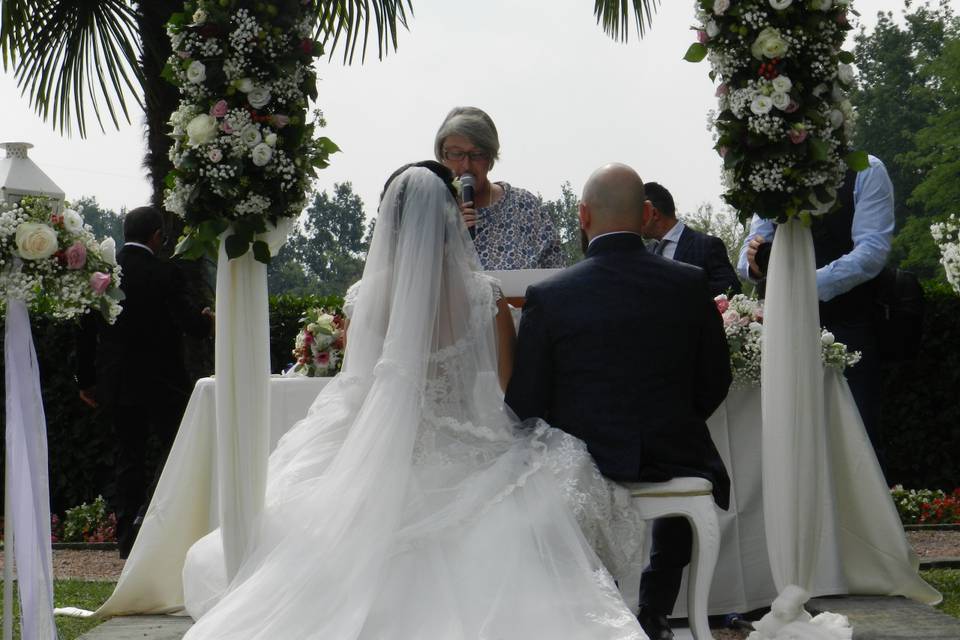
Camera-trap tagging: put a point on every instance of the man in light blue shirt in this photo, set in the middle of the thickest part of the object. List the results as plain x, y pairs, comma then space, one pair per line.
851, 247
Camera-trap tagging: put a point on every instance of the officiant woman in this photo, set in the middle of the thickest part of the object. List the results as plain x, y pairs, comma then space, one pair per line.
509, 228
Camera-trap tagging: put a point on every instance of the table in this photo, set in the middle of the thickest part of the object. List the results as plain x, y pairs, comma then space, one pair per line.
875, 556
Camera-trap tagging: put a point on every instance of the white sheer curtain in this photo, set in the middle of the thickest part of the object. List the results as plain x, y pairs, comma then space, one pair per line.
27, 495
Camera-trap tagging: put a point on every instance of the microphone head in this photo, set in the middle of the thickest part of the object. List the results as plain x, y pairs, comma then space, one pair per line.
467, 180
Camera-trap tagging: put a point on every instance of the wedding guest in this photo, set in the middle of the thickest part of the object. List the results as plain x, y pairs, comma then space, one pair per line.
677, 241
851, 247
635, 378
509, 228
134, 369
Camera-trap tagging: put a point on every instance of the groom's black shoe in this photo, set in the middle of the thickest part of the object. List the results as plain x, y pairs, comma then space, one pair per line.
655, 625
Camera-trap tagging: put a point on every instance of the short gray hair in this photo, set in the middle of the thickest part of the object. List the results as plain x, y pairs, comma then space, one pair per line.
473, 124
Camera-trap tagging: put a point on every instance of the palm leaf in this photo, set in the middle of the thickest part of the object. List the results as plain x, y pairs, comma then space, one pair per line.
614, 16
343, 21
68, 55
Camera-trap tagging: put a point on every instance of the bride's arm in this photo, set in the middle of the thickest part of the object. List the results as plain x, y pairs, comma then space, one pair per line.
506, 342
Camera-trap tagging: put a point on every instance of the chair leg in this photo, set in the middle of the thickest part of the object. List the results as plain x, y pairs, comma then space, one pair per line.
703, 561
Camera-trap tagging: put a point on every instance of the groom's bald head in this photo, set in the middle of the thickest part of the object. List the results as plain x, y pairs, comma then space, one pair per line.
613, 200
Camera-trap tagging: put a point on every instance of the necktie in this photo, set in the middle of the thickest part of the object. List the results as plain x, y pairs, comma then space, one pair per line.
659, 247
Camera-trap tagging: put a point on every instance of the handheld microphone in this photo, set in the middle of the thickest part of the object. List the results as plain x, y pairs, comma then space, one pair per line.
467, 184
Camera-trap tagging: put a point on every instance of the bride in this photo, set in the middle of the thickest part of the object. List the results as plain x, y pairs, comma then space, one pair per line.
410, 503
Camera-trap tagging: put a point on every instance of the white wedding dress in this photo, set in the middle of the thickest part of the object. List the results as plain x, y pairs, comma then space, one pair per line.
410, 504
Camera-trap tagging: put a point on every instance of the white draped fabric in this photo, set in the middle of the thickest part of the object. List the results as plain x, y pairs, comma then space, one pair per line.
27, 495
243, 399
799, 508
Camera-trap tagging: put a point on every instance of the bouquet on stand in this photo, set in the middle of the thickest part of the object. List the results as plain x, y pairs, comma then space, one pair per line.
319, 344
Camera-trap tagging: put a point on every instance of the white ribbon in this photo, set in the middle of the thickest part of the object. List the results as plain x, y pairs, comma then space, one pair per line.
27, 495
242, 399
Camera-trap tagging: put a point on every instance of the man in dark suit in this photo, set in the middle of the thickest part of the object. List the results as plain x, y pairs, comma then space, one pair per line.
134, 368
677, 241
626, 351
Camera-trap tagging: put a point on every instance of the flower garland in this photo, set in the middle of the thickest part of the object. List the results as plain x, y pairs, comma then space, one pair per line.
784, 121
53, 263
243, 149
319, 345
947, 236
743, 325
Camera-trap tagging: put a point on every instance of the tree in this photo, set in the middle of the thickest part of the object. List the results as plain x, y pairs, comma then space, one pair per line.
105, 222
915, 250
328, 244
563, 214
896, 96
723, 223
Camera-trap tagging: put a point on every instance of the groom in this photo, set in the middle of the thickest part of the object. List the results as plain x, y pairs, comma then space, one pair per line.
627, 352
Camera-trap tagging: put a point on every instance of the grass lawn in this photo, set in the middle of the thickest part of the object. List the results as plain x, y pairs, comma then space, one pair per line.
72, 593
947, 582
90, 595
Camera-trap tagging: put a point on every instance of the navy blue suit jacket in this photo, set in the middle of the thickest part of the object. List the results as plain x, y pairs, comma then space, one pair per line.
626, 351
710, 254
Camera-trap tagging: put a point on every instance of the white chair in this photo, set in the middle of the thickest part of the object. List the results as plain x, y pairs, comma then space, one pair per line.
691, 498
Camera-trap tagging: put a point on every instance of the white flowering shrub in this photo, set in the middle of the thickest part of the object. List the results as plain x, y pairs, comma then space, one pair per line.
244, 149
743, 325
784, 122
947, 236
53, 263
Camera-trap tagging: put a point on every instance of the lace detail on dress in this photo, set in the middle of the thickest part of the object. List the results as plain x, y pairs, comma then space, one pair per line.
626, 620
350, 299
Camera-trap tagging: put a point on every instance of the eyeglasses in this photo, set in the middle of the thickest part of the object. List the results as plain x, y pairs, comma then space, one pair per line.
457, 156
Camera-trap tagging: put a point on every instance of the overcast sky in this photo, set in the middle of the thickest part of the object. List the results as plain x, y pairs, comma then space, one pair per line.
565, 98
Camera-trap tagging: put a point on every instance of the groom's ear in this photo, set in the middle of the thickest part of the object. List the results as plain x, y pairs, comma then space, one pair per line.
583, 212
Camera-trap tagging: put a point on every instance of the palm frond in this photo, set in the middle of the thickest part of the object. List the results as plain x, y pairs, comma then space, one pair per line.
614, 16
341, 21
70, 54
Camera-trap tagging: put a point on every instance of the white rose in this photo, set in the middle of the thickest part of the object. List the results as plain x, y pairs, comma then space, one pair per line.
827, 338
261, 154
250, 135
769, 44
837, 93
199, 16
845, 73
72, 221
271, 139
720, 6
780, 5
761, 105
756, 327
108, 251
782, 84
258, 97
36, 241
202, 129
244, 85
196, 72
820, 89
325, 324
713, 29
215, 155
780, 100
836, 118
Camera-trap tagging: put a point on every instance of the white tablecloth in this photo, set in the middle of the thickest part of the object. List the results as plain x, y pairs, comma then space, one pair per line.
875, 556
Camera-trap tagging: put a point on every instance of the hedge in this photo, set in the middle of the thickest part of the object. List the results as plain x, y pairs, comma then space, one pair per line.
921, 422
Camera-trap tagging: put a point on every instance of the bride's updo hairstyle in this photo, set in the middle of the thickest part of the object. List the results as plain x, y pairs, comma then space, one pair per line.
441, 172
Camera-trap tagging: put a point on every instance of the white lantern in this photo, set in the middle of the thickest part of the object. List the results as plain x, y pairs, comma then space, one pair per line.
20, 176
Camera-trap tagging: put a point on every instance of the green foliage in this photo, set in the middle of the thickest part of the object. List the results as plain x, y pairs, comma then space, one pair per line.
563, 214
723, 223
909, 502
89, 523
105, 222
921, 422
84, 594
915, 250
947, 582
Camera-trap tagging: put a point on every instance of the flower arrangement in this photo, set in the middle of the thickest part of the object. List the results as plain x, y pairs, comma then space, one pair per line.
319, 345
947, 236
243, 150
784, 121
52, 262
926, 506
743, 325
85, 523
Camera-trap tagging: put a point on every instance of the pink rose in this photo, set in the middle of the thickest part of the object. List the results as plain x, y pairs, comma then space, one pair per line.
722, 303
225, 127
76, 255
215, 155
723, 151
702, 36
100, 282
730, 317
323, 358
279, 120
722, 90
792, 107
219, 109
797, 135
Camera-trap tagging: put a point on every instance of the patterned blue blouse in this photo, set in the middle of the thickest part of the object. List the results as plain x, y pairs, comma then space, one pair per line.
514, 233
